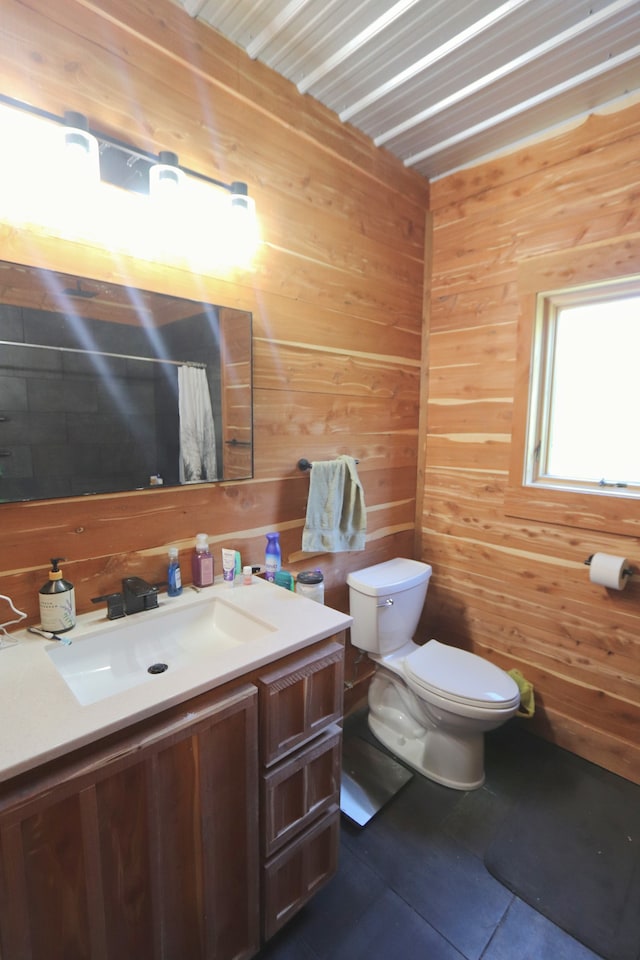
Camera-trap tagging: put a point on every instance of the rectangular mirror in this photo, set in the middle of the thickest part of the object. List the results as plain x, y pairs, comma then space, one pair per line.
107, 388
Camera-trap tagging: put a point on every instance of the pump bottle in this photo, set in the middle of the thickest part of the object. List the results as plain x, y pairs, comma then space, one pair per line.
202, 562
57, 601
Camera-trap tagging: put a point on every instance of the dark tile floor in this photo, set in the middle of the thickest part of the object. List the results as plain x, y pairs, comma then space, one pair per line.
412, 883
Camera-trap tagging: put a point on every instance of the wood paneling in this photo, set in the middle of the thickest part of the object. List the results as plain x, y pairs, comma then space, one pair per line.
336, 293
516, 590
336, 297
237, 438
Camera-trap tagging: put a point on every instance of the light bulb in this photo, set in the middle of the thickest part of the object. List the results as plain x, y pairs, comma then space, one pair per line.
81, 154
165, 176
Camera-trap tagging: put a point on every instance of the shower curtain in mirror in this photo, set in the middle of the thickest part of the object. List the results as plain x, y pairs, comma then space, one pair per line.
197, 430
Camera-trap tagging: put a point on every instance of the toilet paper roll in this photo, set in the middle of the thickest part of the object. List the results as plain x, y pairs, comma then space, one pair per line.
608, 571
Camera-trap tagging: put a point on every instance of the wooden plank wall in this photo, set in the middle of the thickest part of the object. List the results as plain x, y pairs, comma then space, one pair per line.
336, 293
514, 590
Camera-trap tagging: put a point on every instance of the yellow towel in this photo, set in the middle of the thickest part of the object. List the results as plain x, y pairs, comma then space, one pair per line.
336, 514
527, 699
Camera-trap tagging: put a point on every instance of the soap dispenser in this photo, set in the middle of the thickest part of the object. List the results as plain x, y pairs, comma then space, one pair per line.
57, 601
202, 562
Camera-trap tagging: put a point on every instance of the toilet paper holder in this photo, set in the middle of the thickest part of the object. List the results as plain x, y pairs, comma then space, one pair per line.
627, 572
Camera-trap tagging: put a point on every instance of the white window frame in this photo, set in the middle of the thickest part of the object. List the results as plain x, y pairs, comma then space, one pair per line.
548, 306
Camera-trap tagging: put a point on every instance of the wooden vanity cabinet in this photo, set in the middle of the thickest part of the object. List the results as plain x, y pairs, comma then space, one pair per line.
300, 754
144, 847
166, 840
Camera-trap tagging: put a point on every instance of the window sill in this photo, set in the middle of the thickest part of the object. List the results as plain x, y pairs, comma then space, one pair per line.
609, 513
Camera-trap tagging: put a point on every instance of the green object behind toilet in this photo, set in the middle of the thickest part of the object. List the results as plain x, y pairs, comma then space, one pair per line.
527, 699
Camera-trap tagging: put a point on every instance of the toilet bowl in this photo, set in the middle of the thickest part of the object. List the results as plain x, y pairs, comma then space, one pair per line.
430, 705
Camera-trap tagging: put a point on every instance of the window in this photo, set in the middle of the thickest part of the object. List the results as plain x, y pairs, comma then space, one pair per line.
583, 394
575, 412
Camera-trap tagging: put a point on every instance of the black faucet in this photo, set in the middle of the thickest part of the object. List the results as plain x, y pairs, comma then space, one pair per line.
137, 595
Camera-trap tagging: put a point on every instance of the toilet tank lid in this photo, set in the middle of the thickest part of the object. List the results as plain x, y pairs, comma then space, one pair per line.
392, 576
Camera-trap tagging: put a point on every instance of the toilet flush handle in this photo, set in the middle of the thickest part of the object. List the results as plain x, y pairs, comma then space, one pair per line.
386, 603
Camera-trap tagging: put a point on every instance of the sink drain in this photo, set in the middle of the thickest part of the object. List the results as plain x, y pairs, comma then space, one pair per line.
158, 668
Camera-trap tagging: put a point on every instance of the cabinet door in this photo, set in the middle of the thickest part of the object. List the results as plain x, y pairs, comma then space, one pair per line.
298, 699
300, 788
146, 847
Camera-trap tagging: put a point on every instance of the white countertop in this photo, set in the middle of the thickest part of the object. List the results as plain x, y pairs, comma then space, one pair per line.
41, 719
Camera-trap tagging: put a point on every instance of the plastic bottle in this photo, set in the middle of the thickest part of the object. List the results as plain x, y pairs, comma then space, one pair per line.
202, 562
282, 578
272, 556
57, 601
173, 574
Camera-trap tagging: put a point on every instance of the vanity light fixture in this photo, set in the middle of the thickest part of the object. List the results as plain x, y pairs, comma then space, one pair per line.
102, 158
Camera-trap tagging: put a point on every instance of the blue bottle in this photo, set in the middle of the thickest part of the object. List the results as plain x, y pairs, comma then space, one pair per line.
272, 556
174, 576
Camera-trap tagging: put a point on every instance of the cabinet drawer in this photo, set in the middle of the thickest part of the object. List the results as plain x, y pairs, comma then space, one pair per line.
299, 699
300, 788
295, 874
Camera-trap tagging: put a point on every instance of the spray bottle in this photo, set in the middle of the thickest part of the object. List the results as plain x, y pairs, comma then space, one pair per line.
273, 556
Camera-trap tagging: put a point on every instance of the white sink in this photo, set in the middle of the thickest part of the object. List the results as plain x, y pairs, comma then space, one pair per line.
118, 657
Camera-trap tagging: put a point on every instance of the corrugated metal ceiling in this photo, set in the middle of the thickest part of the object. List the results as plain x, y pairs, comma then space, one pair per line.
443, 83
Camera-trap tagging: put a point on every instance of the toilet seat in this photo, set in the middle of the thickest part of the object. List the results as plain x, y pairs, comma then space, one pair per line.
460, 676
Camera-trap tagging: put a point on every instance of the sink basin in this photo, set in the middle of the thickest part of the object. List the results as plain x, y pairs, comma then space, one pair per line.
145, 646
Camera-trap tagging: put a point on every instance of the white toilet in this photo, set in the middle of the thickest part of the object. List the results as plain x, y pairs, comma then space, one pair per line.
430, 705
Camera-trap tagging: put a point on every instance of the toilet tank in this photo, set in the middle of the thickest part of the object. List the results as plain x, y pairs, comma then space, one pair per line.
386, 601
